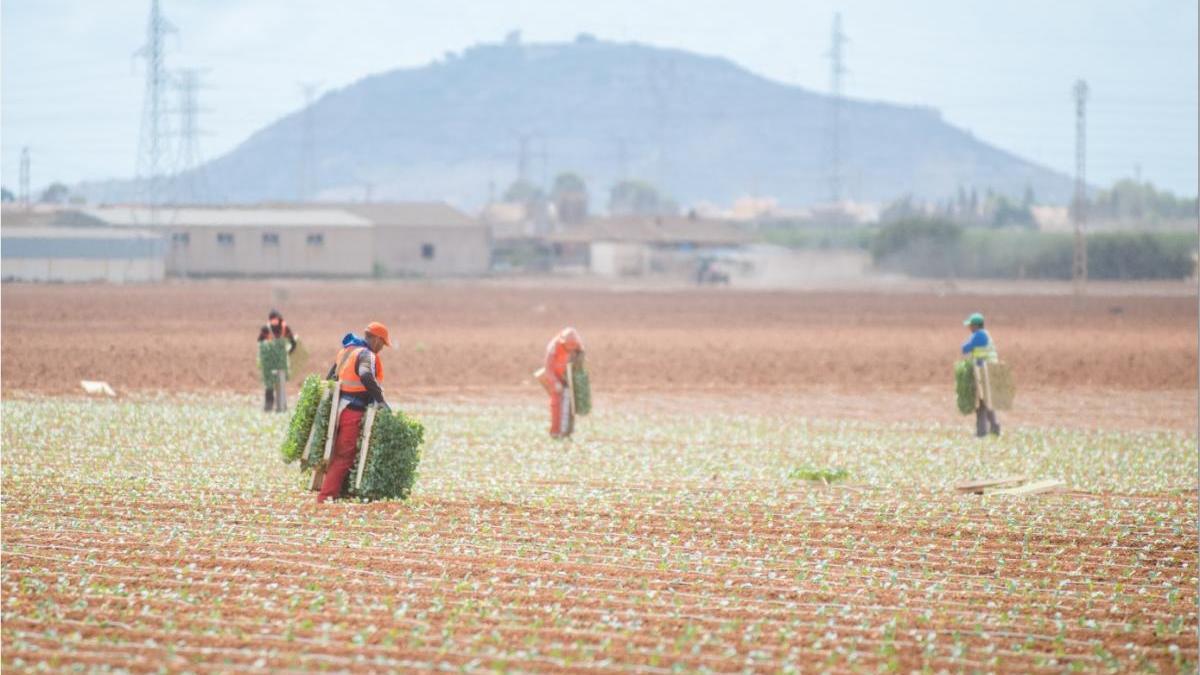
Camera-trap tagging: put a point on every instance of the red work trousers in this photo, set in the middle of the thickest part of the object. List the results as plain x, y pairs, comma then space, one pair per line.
562, 422
345, 446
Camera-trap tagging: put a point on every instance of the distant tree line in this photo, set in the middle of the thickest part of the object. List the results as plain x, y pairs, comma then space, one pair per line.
936, 247
1127, 201
55, 193
568, 199
1130, 201
968, 208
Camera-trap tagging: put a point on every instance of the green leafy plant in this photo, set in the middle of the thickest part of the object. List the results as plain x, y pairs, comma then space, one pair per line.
320, 430
582, 388
272, 357
392, 458
302, 418
823, 475
964, 386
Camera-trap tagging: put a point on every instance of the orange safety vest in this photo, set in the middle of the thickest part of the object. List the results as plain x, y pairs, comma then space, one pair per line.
347, 373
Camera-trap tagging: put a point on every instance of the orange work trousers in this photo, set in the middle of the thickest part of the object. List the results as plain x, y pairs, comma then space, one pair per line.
562, 422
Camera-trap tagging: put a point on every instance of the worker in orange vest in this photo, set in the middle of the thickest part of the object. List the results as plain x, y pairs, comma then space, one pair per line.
560, 353
359, 370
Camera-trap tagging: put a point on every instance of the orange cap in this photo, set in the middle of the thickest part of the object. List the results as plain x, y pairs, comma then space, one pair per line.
380, 331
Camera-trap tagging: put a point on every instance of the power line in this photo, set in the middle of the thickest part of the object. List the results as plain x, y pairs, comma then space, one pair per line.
152, 143
191, 179
836, 70
307, 181
1079, 263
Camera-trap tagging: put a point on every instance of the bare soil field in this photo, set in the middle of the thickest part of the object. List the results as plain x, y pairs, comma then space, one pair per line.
1118, 358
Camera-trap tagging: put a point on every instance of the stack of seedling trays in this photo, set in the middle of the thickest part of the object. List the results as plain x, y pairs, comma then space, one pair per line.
389, 444
991, 381
273, 361
581, 388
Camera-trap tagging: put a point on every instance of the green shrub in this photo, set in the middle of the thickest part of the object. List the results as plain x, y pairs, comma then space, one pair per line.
922, 246
935, 248
302, 418
272, 357
582, 389
1140, 255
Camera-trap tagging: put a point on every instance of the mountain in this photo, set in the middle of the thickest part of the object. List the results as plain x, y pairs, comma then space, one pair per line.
701, 127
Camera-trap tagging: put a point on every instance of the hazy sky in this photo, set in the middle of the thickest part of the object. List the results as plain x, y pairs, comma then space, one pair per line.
72, 91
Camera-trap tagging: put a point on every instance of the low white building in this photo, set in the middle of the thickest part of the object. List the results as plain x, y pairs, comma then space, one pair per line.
255, 241
634, 246
81, 254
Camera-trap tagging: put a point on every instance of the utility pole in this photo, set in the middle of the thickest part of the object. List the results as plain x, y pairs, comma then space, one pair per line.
194, 186
836, 70
154, 134
1079, 266
24, 188
307, 183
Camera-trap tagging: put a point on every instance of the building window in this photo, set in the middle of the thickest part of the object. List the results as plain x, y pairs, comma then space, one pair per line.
225, 238
427, 251
181, 238
270, 239
316, 239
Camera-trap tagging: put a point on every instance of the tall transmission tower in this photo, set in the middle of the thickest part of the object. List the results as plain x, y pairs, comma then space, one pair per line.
153, 142
836, 70
307, 183
192, 183
1079, 265
24, 188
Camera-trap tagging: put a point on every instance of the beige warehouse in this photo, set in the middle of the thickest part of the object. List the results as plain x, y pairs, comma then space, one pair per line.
238, 241
426, 239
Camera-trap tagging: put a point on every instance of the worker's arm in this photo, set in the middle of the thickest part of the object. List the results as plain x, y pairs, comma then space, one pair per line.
292, 339
977, 339
332, 372
365, 365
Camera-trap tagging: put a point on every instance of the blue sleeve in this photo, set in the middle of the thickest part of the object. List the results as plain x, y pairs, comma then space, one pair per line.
978, 339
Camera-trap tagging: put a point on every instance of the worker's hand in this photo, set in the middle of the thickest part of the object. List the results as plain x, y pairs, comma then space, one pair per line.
385, 406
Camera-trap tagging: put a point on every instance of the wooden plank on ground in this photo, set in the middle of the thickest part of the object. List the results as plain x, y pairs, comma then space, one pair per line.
366, 444
1037, 487
978, 485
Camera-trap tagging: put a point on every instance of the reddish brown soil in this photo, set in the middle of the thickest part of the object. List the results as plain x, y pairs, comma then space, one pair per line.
1113, 360
200, 336
727, 585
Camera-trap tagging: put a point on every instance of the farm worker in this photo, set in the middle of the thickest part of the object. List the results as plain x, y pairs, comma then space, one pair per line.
560, 354
275, 329
980, 349
359, 370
